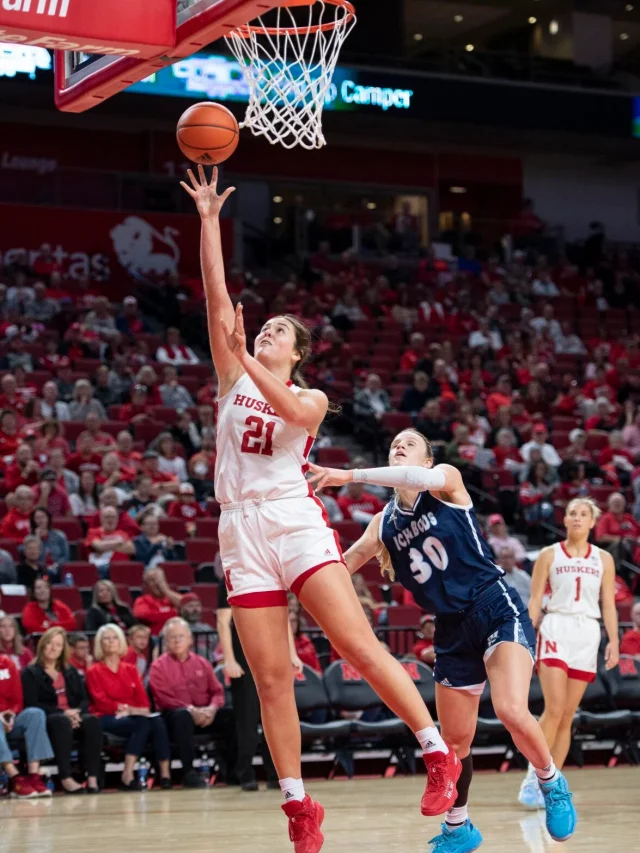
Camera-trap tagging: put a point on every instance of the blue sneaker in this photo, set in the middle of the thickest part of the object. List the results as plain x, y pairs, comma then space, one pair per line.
530, 795
464, 839
561, 813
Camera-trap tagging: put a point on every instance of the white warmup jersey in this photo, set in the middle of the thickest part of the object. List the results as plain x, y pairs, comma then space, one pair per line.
259, 456
575, 582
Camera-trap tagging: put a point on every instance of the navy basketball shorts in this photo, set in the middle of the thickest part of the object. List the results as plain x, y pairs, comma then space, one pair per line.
464, 641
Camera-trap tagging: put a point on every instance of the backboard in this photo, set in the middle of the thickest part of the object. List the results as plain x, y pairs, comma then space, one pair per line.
84, 79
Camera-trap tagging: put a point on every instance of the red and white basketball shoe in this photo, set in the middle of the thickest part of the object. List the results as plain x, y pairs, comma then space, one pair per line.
443, 771
305, 820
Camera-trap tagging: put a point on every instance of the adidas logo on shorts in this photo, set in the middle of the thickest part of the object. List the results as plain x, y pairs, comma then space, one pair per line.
446, 683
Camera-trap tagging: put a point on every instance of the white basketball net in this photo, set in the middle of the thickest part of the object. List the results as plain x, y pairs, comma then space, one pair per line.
288, 72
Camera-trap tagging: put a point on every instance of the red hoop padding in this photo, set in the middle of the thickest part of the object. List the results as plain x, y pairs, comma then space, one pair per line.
247, 30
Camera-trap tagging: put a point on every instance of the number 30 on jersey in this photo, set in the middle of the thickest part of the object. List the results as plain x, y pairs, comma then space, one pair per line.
436, 555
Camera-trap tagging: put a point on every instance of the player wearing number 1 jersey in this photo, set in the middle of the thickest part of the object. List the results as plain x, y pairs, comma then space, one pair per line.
580, 576
428, 538
274, 536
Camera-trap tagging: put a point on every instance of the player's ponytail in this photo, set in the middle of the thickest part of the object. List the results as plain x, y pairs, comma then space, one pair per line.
304, 347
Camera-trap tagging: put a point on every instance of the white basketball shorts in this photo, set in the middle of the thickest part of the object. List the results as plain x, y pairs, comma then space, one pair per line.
571, 643
268, 547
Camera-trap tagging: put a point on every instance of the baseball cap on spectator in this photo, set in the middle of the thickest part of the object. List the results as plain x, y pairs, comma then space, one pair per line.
576, 433
189, 596
539, 429
150, 454
129, 300
30, 433
185, 488
496, 518
426, 617
48, 474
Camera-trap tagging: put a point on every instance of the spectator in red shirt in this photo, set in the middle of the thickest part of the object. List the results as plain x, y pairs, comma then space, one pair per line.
130, 459
618, 532
111, 474
17, 722
617, 459
9, 439
186, 507
141, 650
164, 483
109, 497
158, 604
102, 441
305, 649
17, 522
576, 486
605, 418
44, 611
9, 398
630, 643
50, 495
148, 378
45, 264
358, 505
24, 471
108, 542
187, 692
506, 451
11, 643
80, 657
85, 458
137, 410
117, 695
500, 396
208, 394
414, 352
423, 647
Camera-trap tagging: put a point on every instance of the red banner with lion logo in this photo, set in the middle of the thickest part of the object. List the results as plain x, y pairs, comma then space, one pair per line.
107, 246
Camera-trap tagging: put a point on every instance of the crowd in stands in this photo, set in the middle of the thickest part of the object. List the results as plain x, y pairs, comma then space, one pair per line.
524, 374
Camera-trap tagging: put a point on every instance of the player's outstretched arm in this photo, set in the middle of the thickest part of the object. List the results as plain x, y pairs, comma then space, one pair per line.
609, 610
539, 578
305, 409
219, 305
442, 478
366, 548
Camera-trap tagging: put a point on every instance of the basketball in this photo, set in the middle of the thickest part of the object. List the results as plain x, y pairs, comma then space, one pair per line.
208, 133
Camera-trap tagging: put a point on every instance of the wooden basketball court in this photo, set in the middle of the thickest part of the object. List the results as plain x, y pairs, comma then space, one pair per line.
377, 816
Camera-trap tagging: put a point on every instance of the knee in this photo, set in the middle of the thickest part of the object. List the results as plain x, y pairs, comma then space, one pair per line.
182, 718
363, 656
460, 742
91, 723
554, 711
59, 723
566, 720
33, 717
274, 683
512, 714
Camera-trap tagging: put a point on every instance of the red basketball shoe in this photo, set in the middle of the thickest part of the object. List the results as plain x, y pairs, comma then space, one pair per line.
443, 771
305, 820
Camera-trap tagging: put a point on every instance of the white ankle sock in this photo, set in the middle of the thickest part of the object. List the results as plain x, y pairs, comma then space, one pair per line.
293, 789
456, 816
547, 774
431, 741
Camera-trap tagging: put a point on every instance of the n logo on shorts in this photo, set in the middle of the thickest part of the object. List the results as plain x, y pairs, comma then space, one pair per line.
550, 647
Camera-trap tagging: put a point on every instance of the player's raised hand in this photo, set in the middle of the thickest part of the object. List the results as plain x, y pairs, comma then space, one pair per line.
611, 655
324, 477
236, 338
205, 193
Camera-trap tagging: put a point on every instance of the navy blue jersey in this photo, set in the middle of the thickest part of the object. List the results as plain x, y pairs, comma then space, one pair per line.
438, 553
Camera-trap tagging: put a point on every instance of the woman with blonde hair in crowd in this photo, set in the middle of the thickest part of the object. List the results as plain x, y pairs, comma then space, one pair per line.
107, 606
51, 684
11, 643
118, 697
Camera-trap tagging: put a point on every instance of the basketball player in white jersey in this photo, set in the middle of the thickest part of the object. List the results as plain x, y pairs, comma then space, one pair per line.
274, 535
582, 580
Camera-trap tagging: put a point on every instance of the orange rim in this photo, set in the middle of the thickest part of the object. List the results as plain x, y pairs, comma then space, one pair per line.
247, 30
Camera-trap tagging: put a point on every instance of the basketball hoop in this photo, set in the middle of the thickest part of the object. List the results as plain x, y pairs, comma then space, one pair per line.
288, 58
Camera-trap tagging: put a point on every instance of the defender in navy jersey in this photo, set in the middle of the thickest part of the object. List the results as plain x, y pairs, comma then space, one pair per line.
428, 538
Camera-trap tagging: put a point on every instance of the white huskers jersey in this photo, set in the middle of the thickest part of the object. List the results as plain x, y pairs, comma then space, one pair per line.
575, 582
259, 457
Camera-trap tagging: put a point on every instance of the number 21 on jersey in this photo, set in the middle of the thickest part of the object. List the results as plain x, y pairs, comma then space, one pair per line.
436, 555
259, 438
